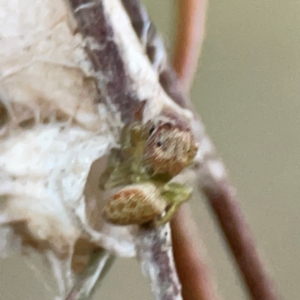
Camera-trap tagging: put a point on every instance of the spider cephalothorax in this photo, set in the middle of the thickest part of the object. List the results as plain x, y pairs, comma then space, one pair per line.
169, 149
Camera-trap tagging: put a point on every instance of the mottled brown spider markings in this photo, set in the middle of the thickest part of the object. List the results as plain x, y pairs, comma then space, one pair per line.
135, 204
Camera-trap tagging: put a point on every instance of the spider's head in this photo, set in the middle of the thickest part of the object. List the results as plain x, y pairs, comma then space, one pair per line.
170, 147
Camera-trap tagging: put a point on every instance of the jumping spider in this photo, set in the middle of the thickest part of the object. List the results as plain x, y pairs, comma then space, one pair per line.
150, 155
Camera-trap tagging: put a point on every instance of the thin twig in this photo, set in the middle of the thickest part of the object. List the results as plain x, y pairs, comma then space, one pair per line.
100, 262
190, 35
223, 203
190, 260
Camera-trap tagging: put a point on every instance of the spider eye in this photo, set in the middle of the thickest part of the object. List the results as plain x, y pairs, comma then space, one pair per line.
151, 130
158, 144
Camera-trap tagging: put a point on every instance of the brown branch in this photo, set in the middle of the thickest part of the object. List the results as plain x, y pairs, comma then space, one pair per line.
240, 241
189, 257
94, 24
189, 39
155, 50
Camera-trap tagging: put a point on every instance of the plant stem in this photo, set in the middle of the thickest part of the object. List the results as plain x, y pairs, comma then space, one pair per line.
154, 248
189, 255
190, 34
224, 205
100, 262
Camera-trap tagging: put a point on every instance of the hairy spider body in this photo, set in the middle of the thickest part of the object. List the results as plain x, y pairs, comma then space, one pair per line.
150, 155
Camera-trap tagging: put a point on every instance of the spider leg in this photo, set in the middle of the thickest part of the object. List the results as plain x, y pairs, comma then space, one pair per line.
175, 194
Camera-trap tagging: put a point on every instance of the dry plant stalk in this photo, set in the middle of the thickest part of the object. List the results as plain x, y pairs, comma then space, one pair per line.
189, 40
66, 90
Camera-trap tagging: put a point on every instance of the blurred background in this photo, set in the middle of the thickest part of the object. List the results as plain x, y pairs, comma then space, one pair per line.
247, 91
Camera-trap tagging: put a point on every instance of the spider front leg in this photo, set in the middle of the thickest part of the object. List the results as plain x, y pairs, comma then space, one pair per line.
174, 194
124, 164
116, 173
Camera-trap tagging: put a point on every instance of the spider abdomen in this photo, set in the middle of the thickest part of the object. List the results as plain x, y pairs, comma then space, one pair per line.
134, 204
